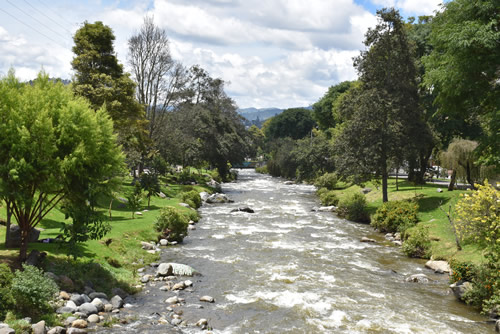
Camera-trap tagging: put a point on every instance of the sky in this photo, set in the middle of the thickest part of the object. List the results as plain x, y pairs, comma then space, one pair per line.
270, 53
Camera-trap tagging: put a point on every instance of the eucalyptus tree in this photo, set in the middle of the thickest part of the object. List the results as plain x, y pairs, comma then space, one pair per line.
53, 147
386, 115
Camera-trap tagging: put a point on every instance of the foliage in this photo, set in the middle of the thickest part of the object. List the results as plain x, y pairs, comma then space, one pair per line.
135, 199
6, 298
53, 147
384, 116
478, 216
33, 291
192, 198
322, 110
172, 224
460, 158
327, 180
328, 198
262, 170
192, 215
295, 123
312, 156
395, 216
282, 162
417, 242
463, 66
462, 271
150, 184
353, 207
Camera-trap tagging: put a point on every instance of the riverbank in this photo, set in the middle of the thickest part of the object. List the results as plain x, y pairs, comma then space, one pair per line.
430, 198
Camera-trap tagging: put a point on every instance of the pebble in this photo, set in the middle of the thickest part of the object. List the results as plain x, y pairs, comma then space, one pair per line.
79, 323
207, 299
172, 300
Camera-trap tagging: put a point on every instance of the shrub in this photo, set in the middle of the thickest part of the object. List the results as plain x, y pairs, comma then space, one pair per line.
321, 191
417, 243
478, 216
192, 215
462, 271
262, 170
327, 180
353, 208
6, 298
172, 224
328, 198
33, 291
395, 216
192, 198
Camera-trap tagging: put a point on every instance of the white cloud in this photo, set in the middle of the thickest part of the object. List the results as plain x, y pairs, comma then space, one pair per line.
411, 7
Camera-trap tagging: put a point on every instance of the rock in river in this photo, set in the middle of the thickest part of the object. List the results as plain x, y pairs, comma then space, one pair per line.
244, 209
439, 267
207, 299
164, 269
418, 278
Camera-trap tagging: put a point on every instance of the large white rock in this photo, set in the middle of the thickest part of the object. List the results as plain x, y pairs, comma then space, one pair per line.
439, 267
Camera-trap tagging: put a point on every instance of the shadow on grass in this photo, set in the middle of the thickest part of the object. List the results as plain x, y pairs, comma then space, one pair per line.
50, 224
427, 204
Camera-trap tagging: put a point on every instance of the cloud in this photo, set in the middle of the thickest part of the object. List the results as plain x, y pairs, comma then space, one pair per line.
411, 7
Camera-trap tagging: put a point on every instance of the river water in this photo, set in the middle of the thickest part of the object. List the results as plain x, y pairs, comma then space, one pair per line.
285, 269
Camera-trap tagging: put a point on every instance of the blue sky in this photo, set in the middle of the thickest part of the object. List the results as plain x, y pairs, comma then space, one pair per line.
273, 53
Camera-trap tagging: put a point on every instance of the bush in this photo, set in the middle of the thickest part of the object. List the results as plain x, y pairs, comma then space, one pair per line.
192, 215
172, 224
465, 271
417, 244
33, 291
6, 298
354, 208
478, 216
262, 170
327, 180
192, 198
395, 216
328, 198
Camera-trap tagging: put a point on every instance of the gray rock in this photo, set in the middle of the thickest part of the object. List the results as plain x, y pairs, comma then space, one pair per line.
117, 302
69, 321
86, 298
188, 283
100, 295
179, 286
176, 322
147, 245
164, 242
397, 236
207, 299
365, 239
7, 330
164, 269
98, 303
331, 208
214, 184
459, 288
108, 308
65, 309
15, 235
162, 195
418, 278
182, 269
57, 330
497, 326
88, 309
120, 292
439, 267
366, 190
172, 300
288, 183
146, 278
77, 299
185, 205
244, 209
88, 290
38, 328
93, 319
217, 199
204, 195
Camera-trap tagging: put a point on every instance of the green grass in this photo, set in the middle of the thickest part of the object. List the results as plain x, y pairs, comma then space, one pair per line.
112, 261
429, 199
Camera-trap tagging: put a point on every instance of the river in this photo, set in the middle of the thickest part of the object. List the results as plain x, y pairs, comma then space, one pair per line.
285, 269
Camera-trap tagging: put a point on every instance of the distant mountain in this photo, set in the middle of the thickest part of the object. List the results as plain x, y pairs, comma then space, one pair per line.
261, 114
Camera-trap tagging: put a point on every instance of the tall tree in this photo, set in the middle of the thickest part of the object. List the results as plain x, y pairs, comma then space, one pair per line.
160, 79
295, 123
460, 159
322, 110
100, 78
386, 113
53, 147
464, 66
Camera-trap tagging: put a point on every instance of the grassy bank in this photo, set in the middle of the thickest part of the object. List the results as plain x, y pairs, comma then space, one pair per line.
114, 260
429, 200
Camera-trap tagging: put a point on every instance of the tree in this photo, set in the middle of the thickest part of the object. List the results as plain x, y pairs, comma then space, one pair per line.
295, 123
322, 110
385, 112
460, 158
53, 147
160, 79
100, 78
150, 183
463, 66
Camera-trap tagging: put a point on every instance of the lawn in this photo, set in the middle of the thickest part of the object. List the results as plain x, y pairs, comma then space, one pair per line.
114, 260
430, 214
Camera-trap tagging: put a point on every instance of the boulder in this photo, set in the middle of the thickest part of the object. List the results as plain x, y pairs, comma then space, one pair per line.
204, 195
88, 309
7, 330
38, 328
66, 283
162, 195
418, 278
100, 295
497, 326
185, 205
146, 278
366, 190
64, 295
182, 269
207, 299
98, 303
244, 209
147, 246
77, 299
439, 267
217, 199
288, 183
163, 242
179, 286
117, 302
57, 330
164, 269
79, 323
366, 239
120, 292
93, 319
71, 305
15, 235
86, 299
459, 288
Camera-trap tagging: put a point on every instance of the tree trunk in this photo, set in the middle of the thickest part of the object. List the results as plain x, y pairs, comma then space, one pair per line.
7, 225
23, 251
469, 177
452, 181
397, 174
